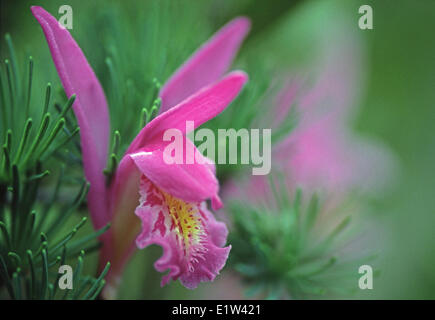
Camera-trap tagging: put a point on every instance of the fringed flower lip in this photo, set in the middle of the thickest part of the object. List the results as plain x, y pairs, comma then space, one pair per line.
168, 199
191, 238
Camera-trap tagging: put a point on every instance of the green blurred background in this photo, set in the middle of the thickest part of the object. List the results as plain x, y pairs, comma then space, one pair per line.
397, 105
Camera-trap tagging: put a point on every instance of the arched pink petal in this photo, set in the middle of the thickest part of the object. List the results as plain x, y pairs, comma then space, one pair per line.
90, 107
189, 182
206, 65
191, 238
200, 107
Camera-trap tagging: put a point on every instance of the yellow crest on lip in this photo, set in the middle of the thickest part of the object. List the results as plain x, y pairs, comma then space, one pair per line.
187, 224
186, 219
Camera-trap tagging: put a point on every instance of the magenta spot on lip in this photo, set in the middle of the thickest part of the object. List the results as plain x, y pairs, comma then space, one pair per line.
160, 224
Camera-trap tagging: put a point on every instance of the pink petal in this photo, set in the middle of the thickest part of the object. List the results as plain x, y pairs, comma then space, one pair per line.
190, 182
200, 107
216, 202
90, 107
206, 65
190, 236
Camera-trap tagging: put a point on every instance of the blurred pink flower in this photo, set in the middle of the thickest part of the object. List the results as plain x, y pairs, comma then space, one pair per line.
169, 199
322, 153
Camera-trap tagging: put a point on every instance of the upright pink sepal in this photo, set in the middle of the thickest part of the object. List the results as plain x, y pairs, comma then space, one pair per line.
90, 107
206, 65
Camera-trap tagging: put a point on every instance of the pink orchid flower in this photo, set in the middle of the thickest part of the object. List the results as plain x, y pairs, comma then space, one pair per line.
168, 199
